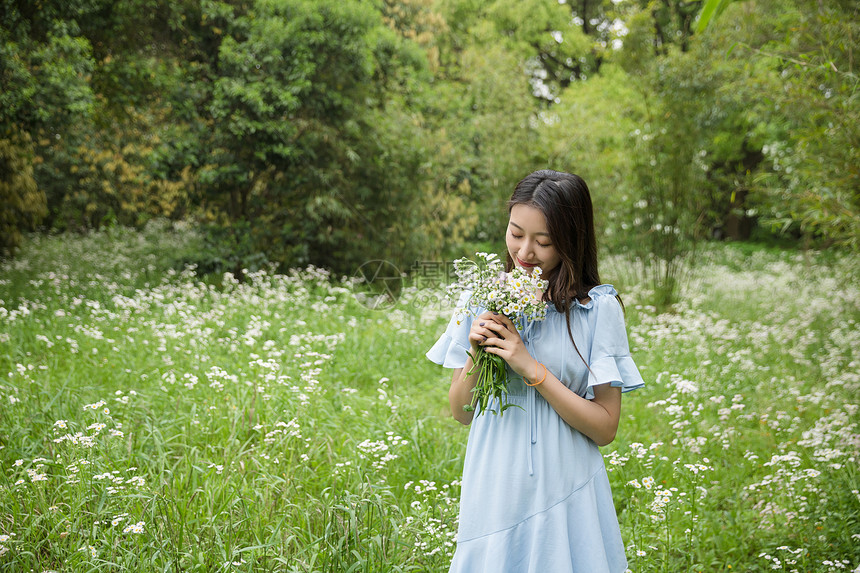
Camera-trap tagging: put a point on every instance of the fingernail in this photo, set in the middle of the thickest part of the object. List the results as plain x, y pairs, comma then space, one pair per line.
496, 313
480, 324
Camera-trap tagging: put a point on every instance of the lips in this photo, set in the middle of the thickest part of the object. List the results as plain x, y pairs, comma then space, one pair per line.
525, 264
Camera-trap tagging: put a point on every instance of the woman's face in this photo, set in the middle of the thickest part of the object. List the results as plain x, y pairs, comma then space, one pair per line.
528, 240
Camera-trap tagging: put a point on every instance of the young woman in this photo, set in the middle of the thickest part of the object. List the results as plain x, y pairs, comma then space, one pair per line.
535, 495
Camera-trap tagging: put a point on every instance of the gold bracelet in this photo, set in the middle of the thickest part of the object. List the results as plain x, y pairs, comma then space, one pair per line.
526, 382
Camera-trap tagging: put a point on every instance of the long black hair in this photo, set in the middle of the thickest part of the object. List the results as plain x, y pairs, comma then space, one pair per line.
565, 201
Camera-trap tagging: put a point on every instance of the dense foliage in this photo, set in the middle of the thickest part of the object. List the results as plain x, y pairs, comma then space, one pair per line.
332, 132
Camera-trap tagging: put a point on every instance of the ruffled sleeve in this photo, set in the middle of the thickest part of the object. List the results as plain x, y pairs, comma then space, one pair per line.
610, 361
452, 347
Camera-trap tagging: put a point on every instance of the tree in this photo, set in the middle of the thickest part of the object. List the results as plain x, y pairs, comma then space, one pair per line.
44, 90
298, 129
810, 180
22, 205
813, 179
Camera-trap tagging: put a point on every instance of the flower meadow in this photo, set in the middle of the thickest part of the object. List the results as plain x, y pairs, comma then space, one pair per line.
154, 420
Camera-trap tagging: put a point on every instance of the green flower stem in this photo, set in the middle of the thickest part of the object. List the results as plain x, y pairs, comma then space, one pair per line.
492, 382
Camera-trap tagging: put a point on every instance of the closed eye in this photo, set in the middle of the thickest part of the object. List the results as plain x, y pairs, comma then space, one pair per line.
515, 236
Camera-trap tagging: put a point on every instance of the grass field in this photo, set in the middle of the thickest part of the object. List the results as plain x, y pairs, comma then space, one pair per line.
154, 421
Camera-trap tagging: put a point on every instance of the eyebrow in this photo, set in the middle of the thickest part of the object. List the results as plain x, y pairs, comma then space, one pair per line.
521, 229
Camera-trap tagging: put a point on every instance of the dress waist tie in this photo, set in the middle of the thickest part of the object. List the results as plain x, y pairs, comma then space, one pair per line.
530, 401
532, 428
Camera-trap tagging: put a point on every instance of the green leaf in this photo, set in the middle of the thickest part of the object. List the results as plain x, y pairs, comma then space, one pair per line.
710, 11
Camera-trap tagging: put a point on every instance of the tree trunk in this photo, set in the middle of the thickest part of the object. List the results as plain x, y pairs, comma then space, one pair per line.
737, 225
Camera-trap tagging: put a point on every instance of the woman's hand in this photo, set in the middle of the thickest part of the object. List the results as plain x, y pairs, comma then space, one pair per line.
481, 331
463, 383
504, 340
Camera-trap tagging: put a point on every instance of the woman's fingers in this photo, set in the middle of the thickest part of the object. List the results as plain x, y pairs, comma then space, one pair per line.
495, 333
497, 317
507, 322
492, 329
481, 332
505, 331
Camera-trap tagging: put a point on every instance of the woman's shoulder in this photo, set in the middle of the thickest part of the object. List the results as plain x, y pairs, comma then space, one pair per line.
597, 295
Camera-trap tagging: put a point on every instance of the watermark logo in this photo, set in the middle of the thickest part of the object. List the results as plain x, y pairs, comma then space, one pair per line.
377, 284
380, 284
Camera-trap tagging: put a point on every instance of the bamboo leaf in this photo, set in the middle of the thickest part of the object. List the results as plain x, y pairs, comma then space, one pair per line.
710, 12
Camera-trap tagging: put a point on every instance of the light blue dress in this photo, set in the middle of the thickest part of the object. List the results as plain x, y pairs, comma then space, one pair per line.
535, 496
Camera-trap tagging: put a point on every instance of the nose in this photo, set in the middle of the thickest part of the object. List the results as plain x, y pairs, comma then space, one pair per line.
526, 251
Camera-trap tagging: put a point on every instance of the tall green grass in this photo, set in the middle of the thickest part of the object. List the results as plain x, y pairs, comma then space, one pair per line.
154, 421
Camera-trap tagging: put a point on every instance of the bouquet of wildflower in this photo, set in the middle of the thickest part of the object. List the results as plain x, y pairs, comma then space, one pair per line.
516, 295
